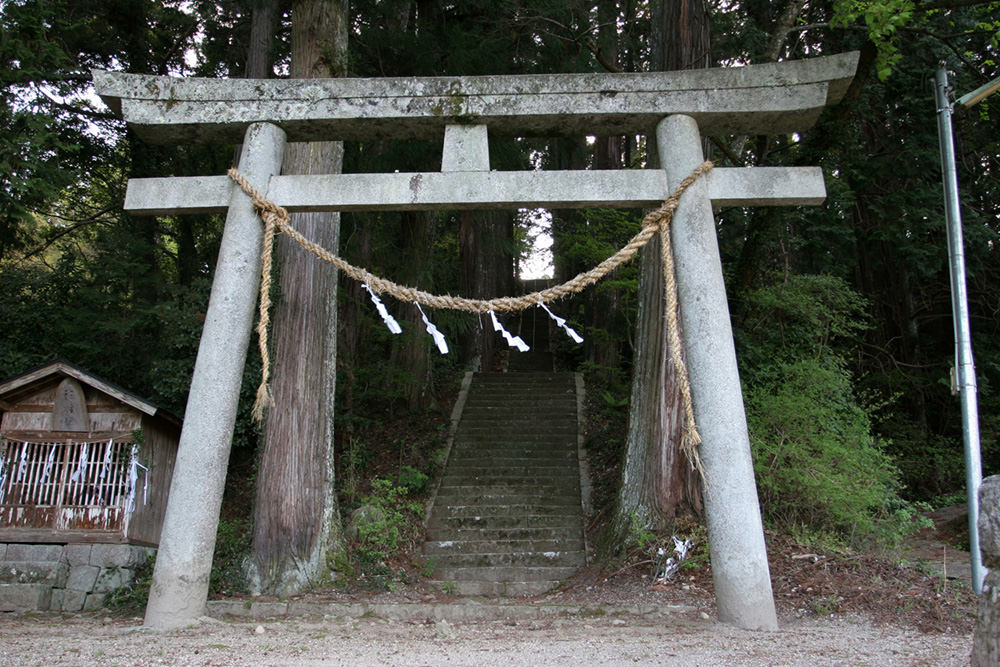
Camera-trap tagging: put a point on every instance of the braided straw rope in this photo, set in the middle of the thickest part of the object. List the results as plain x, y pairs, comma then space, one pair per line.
276, 219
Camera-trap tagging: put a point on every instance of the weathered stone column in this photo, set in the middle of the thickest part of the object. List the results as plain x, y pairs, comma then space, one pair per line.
986, 640
735, 532
184, 561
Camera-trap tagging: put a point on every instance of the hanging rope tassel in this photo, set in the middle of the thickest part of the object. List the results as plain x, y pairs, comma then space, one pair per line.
690, 439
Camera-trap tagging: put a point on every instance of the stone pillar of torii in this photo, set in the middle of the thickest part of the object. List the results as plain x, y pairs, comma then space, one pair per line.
679, 107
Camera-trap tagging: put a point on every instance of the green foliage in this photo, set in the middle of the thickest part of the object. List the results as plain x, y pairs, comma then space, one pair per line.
882, 20
816, 460
232, 547
819, 467
386, 520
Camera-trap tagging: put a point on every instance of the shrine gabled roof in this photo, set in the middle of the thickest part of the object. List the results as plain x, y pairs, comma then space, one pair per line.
11, 388
770, 98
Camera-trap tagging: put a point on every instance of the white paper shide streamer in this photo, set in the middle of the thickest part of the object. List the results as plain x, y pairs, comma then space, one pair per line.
3, 478
561, 322
48, 465
22, 467
81, 466
133, 477
107, 458
389, 320
438, 337
513, 341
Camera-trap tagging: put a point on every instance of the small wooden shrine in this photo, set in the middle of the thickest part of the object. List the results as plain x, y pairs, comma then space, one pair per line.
82, 460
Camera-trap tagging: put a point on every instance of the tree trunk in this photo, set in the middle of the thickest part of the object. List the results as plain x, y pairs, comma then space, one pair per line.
412, 355
487, 271
657, 483
297, 531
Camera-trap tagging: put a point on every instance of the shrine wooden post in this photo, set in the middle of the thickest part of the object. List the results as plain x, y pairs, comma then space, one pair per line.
680, 106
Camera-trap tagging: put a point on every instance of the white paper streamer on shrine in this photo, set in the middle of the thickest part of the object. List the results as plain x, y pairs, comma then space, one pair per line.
561, 322
513, 341
49, 462
22, 466
3, 478
438, 337
107, 458
81, 465
389, 320
133, 477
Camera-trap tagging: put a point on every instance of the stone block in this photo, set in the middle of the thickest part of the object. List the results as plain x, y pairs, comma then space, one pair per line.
78, 554
34, 552
56, 603
73, 600
112, 578
94, 601
25, 597
52, 573
82, 578
223, 608
268, 609
989, 521
117, 555
986, 638
3, 551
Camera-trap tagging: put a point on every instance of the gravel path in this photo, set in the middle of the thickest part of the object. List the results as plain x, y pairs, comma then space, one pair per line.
85, 639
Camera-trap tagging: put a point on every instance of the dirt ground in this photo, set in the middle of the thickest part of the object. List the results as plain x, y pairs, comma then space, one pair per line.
94, 640
833, 610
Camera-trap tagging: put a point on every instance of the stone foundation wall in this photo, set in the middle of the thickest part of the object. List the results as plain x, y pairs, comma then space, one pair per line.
70, 577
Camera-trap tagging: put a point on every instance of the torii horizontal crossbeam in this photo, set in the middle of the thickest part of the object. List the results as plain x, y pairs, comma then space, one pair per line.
623, 188
755, 99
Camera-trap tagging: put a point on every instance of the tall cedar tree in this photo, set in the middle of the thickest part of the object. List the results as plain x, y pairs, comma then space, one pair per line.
658, 483
296, 516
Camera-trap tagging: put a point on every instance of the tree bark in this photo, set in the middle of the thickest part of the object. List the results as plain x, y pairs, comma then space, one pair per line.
657, 483
487, 271
297, 531
412, 355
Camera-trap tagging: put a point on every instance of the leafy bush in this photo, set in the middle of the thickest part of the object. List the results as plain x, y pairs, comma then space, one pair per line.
386, 519
820, 471
817, 463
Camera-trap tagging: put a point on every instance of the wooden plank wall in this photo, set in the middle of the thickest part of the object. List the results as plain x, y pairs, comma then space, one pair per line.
159, 453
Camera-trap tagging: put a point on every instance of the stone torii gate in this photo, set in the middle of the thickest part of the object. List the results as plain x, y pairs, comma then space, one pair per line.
680, 106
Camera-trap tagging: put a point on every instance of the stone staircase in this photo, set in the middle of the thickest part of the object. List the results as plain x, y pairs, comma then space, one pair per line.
507, 517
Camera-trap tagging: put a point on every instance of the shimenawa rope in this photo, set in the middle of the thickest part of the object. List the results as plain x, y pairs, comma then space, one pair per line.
276, 219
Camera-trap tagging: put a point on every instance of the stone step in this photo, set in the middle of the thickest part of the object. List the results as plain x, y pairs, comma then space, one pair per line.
496, 534
505, 573
471, 457
559, 468
525, 559
493, 415
465, 495
435, 547
515, 404
533, 508
511, 477
490, 440
499, 522
502, 588
515, 494
524, 376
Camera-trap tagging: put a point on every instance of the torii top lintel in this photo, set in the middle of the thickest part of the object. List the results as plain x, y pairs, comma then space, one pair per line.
757, 99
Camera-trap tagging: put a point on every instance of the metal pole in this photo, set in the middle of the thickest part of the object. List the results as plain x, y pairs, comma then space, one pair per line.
966, 371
